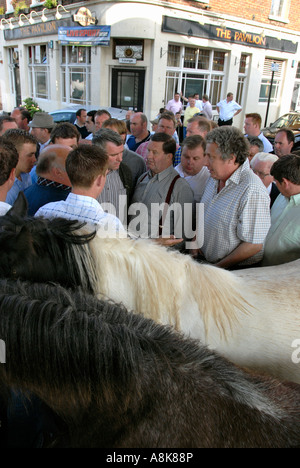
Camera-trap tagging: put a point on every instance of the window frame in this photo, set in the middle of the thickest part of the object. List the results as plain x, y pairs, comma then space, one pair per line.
283, 16
69, 67
36, 66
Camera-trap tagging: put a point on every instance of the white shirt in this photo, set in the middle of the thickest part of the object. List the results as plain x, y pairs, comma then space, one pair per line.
197, 182
85, 209
4, 207
240, 212
227, 109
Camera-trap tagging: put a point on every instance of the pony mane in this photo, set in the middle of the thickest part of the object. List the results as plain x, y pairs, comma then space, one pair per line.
155, 273
117, 379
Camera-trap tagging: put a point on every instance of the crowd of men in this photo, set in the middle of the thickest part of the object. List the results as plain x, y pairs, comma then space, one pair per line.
203, 187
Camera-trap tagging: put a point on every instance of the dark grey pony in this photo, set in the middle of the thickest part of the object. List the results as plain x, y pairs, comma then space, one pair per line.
116, 379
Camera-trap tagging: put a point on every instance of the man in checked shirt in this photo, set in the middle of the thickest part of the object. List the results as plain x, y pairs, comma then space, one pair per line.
236, 203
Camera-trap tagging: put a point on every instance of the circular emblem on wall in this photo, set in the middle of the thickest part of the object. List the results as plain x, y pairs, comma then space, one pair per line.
128, 52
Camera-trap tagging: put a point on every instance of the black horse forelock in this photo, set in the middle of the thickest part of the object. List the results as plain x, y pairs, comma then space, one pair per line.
39, 249
120, 380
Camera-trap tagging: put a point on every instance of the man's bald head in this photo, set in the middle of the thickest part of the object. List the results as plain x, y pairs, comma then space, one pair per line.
52, 163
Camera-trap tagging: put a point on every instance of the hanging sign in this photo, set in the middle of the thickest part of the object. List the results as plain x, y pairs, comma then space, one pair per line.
84, 17
86, 36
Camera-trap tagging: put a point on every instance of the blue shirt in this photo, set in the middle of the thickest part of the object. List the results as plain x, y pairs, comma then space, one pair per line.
19, 185
133, 145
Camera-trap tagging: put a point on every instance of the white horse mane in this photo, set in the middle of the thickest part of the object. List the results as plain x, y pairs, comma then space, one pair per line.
160, 278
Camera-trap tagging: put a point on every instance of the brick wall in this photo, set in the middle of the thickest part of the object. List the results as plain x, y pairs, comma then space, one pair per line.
256, 10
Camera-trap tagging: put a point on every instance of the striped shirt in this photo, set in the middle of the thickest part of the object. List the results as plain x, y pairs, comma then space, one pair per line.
240, 212
113, 197
151, 191
82, 208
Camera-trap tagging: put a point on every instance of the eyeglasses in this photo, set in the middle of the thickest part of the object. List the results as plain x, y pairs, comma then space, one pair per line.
260, 174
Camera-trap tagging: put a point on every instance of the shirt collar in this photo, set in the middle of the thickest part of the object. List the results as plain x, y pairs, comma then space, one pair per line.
236, 176
295, 199
161, 175
77, 198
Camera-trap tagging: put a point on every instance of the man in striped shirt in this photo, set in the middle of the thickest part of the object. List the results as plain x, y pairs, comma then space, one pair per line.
116, 194
236, 203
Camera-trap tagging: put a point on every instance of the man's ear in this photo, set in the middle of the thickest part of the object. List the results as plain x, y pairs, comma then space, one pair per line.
20, 206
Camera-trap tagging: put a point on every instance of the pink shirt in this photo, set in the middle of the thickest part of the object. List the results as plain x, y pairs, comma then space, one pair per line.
174, 106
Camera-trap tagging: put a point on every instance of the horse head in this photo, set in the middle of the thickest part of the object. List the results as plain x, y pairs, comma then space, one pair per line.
40, 250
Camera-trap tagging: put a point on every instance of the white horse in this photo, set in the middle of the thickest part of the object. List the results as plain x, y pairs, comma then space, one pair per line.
249, 316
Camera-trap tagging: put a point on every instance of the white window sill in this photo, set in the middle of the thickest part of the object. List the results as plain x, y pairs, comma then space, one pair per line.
279, 18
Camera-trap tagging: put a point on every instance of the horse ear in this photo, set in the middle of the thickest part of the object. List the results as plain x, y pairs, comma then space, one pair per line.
20, 206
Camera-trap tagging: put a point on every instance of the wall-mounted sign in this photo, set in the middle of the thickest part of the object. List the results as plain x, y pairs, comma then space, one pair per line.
127, 60
209, 31
35, 30
87, 36
84, 17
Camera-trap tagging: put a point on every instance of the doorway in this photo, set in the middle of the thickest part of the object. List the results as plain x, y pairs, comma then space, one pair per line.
128, 89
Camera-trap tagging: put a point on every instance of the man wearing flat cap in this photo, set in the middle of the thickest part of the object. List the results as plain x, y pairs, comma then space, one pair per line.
41, 127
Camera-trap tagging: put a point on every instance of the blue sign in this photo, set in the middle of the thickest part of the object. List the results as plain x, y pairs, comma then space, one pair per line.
84, 36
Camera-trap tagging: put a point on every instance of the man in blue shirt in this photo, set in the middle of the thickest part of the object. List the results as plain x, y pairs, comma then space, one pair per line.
26, 146
53, 183
86, 167
139, 131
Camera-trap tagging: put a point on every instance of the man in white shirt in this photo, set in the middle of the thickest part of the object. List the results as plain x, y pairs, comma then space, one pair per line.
236, 204
192, 167
8, 162
252, 129
227, 109
86, 167
282, 244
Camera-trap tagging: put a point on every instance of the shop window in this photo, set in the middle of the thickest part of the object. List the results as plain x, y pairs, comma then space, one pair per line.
212, 64
76, 74
190, 58
173, 56
38, 71
218, 61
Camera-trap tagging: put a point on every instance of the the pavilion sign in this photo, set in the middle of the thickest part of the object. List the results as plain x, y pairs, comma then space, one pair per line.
208, 31
239, 36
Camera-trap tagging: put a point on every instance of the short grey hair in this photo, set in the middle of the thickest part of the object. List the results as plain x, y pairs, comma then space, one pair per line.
230, 141
265, 157
106, 135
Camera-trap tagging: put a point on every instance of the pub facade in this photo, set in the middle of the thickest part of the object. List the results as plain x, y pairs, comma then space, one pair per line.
136, 54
